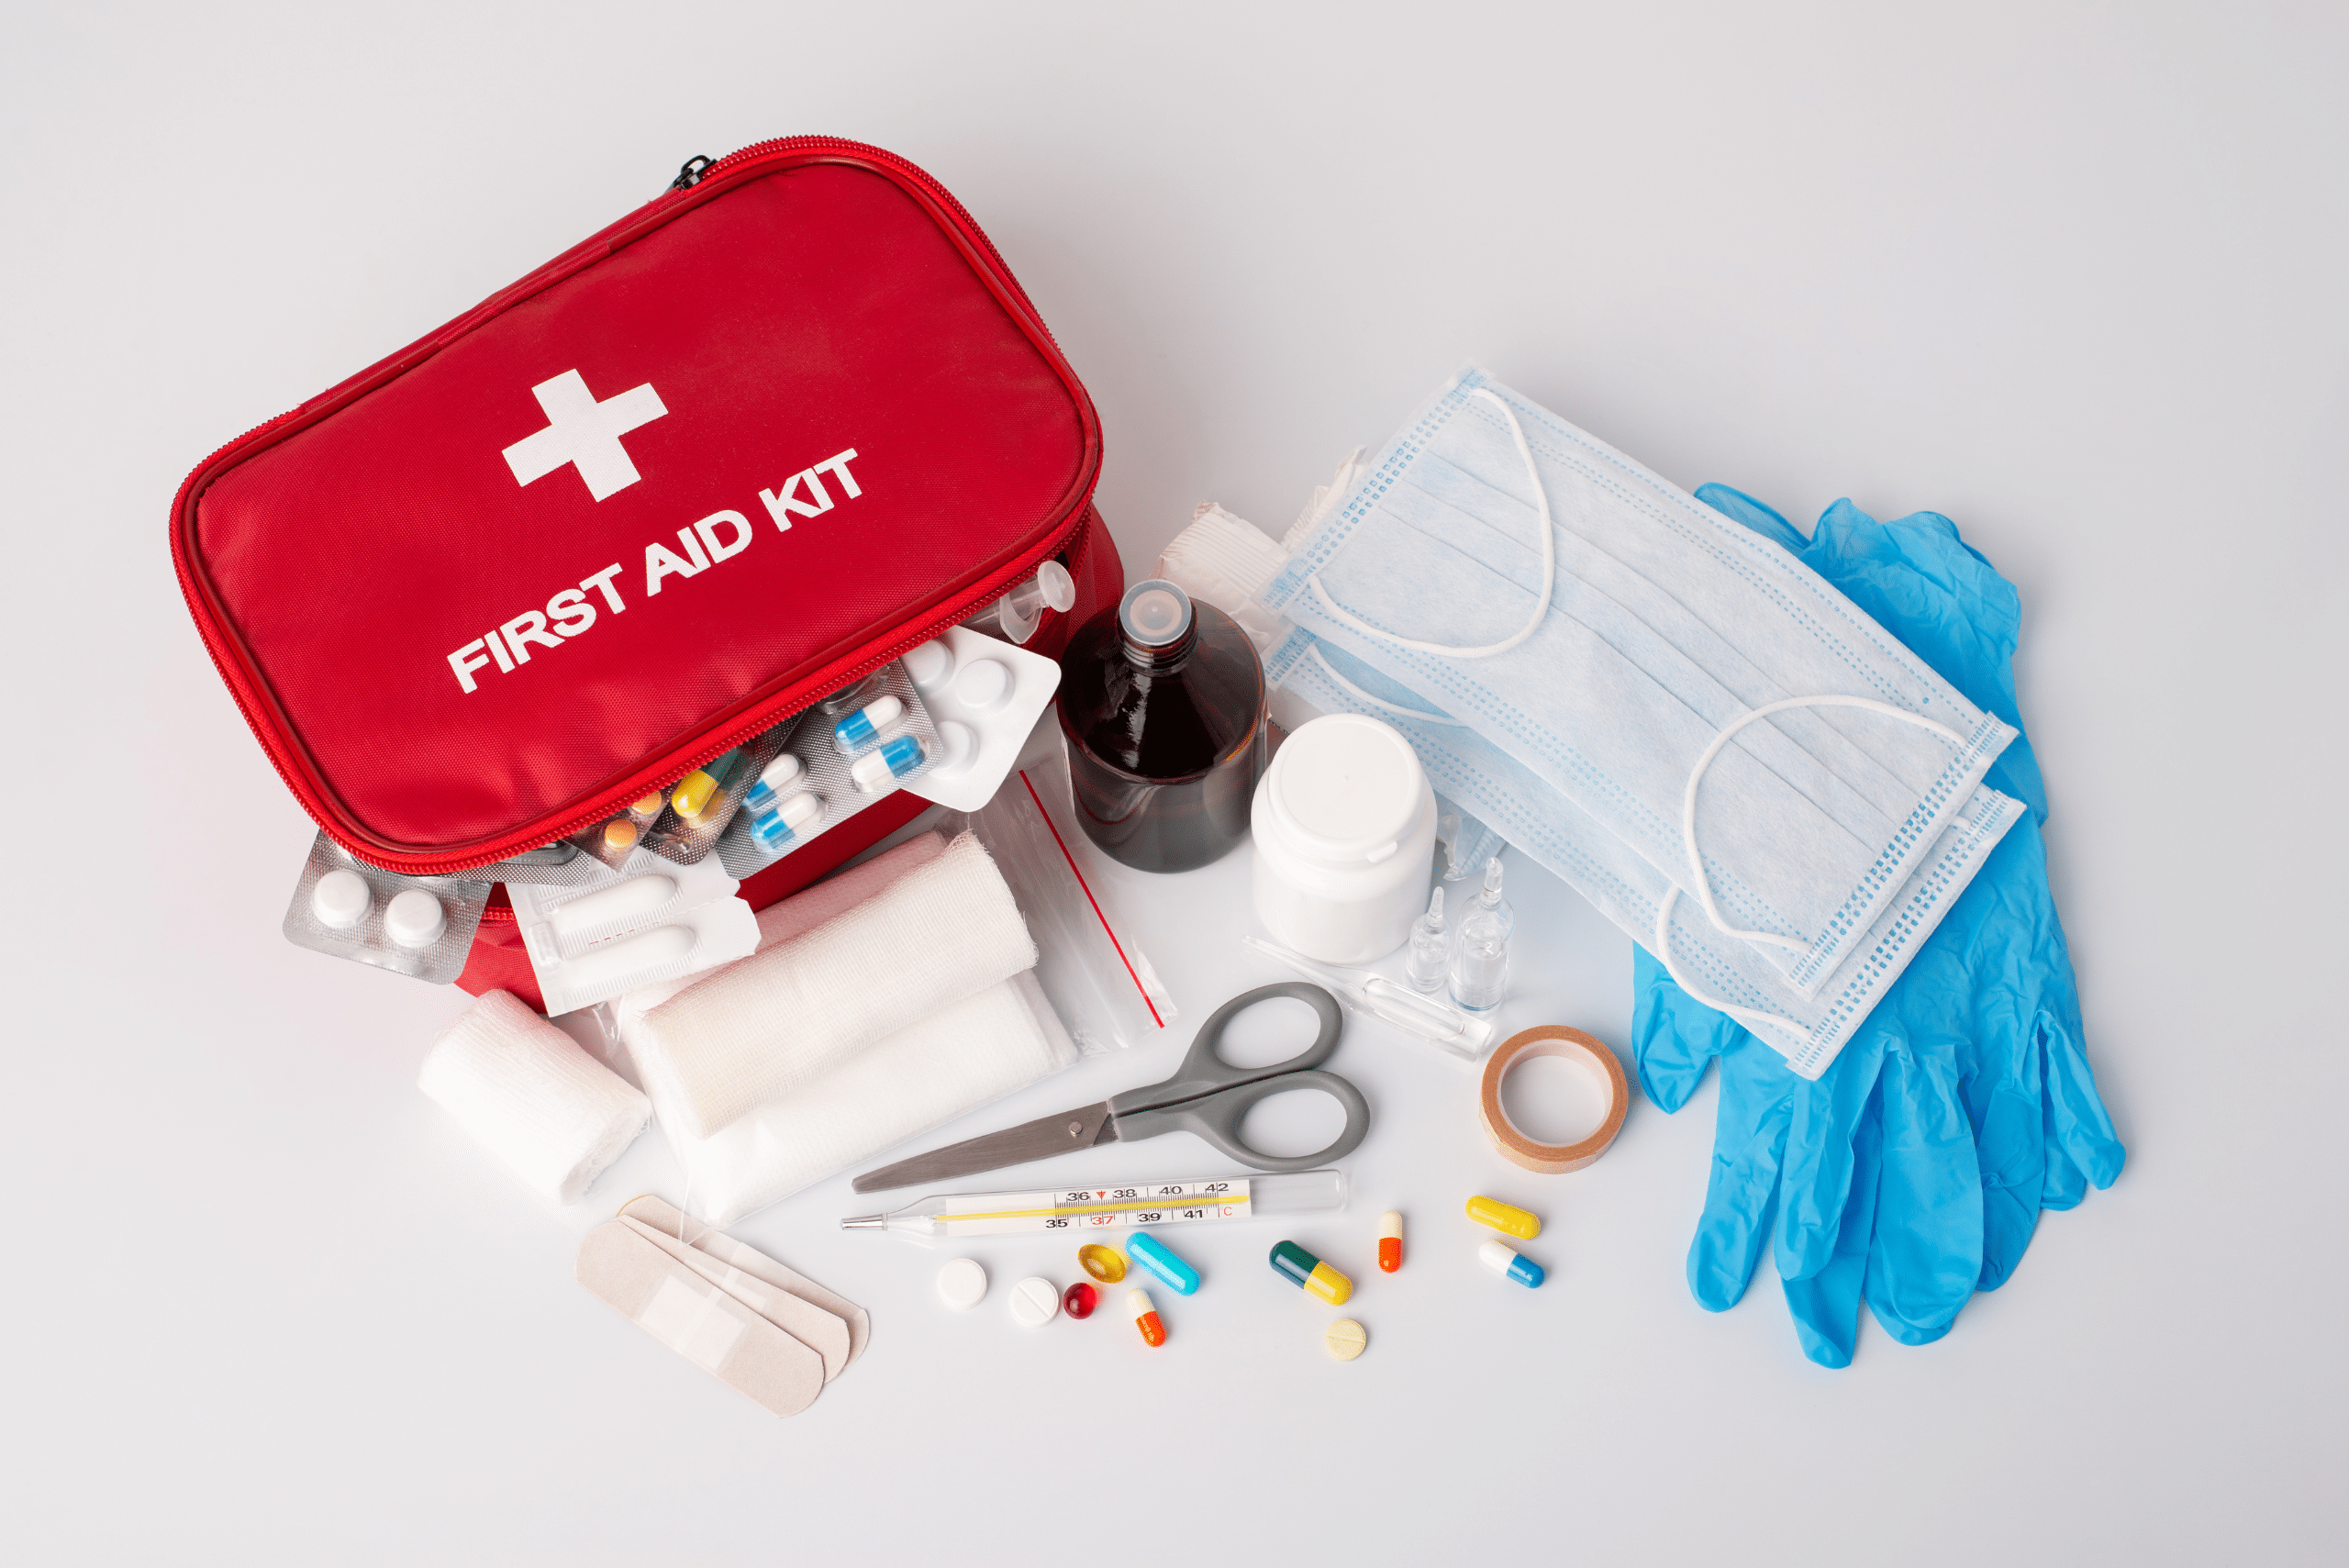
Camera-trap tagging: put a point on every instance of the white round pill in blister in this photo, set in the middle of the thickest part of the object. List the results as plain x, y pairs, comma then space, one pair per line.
341, 900
984, 685
1034, 1303
956, 746
962, 1283
929, 664
415, 919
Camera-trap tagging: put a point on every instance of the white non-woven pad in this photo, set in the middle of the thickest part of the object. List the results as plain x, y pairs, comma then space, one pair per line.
665, 1219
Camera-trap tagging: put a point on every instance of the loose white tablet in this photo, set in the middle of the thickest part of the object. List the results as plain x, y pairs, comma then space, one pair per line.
962, 1283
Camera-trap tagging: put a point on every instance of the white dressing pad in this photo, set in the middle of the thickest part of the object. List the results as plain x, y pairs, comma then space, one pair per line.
667, 1220
813, 1327
992, 693
528, 1093
696, 1318
963, 1284
778, 1020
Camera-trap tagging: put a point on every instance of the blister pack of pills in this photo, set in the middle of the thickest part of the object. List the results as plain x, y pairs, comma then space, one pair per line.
651, 920
984, 695
703, 802
420, 926
858, 746
559, 864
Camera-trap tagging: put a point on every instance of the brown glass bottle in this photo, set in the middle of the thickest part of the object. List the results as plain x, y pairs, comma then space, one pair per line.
1161, 700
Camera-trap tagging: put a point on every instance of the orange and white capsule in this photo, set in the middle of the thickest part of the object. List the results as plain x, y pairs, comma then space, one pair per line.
1153, 1332
1390, 1242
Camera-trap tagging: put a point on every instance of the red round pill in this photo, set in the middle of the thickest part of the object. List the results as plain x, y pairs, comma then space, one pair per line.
1080, 1299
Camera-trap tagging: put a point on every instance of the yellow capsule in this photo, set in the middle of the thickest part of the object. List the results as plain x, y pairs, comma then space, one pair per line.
1302, 1269
1508, 1221
693, 793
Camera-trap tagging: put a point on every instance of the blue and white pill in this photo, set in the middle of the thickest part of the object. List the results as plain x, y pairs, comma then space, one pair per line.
775, 780
1502, 1260
772, 829
860, 728
895, 760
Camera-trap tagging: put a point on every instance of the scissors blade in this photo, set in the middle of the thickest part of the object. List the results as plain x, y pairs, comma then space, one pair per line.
1047, 1135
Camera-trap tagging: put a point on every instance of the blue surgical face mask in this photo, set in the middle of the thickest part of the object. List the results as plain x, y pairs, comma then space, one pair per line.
1724, 971
1693, 693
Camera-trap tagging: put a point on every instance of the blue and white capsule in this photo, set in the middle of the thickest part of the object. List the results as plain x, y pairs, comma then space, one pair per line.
860, 729
897, 757
1503, 1260
786, 823
777, 779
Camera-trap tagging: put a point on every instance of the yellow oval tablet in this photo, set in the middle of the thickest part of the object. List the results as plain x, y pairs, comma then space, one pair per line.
1102, 1262
1345, 1339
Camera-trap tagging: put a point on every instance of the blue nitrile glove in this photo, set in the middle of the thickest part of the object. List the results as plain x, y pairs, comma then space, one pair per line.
1915, 1168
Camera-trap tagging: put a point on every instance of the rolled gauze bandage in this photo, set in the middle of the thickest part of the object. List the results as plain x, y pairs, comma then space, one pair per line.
761, 1027
531, 1096
926, 1074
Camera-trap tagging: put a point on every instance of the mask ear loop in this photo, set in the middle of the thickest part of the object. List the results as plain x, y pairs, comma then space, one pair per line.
1549, 564
1745, 1015
1399, 711
1704, 888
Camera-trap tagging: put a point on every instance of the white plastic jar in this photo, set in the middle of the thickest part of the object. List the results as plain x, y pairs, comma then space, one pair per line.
1344, 826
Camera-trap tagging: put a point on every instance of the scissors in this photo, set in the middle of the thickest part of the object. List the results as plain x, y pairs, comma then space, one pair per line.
1207, 1095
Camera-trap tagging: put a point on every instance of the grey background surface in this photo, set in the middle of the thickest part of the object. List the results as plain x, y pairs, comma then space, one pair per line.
2071, 275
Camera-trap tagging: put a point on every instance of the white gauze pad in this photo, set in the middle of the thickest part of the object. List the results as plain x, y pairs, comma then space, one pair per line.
530, 1096
762, 1027
966, 1056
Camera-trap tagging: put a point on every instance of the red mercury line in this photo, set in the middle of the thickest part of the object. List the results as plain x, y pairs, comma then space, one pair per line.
1090, 899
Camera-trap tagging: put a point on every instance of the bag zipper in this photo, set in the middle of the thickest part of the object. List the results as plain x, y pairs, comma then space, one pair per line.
912, 174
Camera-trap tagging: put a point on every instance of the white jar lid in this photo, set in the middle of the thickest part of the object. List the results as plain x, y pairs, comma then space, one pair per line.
1344, 787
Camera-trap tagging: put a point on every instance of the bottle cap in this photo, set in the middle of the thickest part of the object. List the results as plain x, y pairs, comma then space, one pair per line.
1154, 614
1344, 788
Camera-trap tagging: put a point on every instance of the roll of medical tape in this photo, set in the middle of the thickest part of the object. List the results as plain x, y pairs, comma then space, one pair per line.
1552, 1040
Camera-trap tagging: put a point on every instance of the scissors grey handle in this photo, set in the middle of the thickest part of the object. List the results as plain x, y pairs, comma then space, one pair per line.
1217, 1119
1203, 1071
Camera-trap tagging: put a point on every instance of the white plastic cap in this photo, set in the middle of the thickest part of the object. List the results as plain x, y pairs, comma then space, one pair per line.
1154, 614
1344, 789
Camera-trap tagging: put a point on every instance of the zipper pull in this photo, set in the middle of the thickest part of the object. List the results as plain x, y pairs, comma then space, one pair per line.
690, 175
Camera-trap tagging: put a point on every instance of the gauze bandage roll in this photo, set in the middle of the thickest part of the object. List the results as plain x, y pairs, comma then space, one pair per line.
965, 1056
763, 1028
530, 1094
781, 921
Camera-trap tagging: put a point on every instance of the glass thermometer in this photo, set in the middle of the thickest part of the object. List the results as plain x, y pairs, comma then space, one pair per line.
1062, 1211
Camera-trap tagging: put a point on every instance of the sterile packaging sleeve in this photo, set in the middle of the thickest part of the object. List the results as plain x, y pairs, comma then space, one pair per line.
759, 1029
526, 1092
983, 1047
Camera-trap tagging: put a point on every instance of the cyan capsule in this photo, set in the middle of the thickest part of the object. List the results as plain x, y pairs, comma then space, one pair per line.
1501, 1259
1160, 1258
859, 728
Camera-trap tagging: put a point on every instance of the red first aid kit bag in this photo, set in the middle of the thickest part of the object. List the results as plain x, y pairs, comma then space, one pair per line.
750, 443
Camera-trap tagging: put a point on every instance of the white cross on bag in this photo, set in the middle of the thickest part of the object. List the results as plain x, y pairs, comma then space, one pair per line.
585, 432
